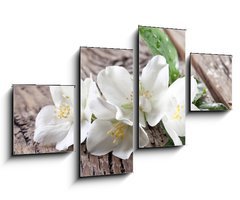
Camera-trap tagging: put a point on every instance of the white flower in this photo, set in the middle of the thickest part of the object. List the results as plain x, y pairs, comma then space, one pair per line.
107, 134
54, 123
116, 85
153, 87
88, 92
174, 118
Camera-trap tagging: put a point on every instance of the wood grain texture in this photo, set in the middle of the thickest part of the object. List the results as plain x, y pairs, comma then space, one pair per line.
215, 71
27, 102
92, 61
178, 39
156, 135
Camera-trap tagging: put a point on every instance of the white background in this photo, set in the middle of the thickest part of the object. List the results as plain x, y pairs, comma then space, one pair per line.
38, 44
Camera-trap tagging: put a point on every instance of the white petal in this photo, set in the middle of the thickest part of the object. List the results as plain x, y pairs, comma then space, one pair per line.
176, 95
155, 76
89, 92
93, 91
68, 91
98, 141
161, 82
177, 124
143, 137
125, 115
116, 85
124, 149
171, 130
160, 106
145, 104
177, 90
155, 79
49, 129
67, 141
46, 114
85, 85
194, 88
84, 92
102, 109
142, 120
59, 92
57, 96
85, 126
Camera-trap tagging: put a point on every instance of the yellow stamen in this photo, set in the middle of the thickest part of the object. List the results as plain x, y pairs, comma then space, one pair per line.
177, 115
63, 111
146, 94
143, 92
117, 132
66, 97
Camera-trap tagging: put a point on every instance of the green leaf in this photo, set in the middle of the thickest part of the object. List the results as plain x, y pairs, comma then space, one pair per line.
169, 143
200, 102
160, 44
213, 106
183, 140
202, 91
93, 117
199, 98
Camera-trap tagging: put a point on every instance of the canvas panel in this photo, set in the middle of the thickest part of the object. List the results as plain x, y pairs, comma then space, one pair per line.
161, 87
43, 119
106, 120
213, 73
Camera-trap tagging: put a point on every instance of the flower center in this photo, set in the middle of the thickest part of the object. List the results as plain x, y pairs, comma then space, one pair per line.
64, 110
117, 132
177, 114
146, 94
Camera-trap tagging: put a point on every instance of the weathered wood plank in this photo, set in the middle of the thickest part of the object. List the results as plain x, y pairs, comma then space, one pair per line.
178, 39
93, 60
216, 73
